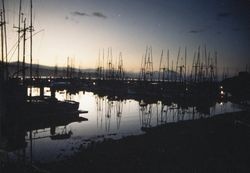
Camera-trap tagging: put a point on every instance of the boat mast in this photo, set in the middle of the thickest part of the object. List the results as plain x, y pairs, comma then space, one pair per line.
168, 63
177, 63
2, 46
67, 72
160, 68
31, 32
5, 39
19, 37
24, 40
185, 68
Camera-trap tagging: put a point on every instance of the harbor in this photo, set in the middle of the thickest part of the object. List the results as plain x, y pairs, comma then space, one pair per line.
180, 107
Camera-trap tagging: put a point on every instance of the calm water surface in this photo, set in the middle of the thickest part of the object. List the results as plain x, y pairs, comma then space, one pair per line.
106, 119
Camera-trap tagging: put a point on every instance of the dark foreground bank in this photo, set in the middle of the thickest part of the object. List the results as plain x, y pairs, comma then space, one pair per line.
217, 144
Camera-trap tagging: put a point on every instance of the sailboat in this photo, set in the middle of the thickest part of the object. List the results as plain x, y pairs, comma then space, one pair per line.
15, 96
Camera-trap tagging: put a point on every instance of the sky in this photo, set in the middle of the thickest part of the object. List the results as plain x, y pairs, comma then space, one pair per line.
79, 29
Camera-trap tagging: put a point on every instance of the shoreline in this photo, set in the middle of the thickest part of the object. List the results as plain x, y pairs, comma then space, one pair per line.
217, 144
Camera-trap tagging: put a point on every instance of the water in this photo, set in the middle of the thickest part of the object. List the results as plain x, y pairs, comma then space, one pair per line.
106, 119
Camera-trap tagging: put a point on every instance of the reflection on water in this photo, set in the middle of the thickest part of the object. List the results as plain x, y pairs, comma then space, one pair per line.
145, 115
106, 110
50, 139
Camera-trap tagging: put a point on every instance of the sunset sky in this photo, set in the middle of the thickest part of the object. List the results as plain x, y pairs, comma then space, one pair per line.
79, 28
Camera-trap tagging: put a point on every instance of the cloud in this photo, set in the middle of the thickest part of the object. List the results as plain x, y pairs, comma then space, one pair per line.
196, 31
98, 14
78, 13
83, 14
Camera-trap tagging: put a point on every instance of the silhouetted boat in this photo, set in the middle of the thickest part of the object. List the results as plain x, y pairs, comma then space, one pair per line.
45, 106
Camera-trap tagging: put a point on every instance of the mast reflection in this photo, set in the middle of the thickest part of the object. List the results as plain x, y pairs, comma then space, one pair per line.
21, 134
145, 114
106, 110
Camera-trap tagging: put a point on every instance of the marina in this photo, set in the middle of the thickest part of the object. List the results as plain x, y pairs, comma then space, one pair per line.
176, 108
107, 118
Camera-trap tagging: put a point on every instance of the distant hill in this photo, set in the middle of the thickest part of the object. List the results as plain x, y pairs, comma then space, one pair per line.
48, 71
43, 70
